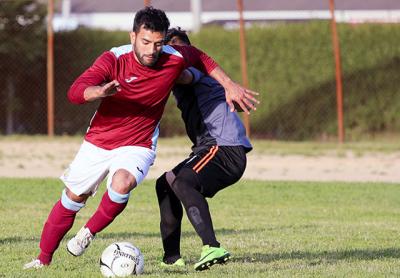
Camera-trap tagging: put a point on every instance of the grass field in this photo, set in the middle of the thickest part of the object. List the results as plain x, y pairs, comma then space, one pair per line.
277, 229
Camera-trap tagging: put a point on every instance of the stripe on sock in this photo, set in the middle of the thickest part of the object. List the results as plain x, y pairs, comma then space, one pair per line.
70, 204
117, 197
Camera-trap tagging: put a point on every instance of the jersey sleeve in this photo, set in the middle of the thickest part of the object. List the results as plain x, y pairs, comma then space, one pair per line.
98, 73
197, 58
197, 75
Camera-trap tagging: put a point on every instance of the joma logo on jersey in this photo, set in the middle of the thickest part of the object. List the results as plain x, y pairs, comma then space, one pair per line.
130, 79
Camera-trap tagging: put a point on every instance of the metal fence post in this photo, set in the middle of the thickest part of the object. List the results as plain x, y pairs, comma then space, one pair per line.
338, 71
195, 6
243, 60
50, 68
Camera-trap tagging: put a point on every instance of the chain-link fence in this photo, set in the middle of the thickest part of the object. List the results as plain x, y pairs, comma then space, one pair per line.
290, 64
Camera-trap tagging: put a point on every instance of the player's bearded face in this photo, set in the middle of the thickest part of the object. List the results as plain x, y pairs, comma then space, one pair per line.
147, 46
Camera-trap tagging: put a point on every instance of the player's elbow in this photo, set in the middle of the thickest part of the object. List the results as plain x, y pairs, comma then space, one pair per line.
186, 77
76, 95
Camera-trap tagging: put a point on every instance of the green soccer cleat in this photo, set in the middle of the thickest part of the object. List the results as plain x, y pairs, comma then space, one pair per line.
177, 264
211, 256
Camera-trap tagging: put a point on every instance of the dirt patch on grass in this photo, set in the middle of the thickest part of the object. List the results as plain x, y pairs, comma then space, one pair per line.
48, 158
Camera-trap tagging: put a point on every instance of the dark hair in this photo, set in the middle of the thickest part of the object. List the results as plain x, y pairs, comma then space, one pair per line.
152, 19
177, 32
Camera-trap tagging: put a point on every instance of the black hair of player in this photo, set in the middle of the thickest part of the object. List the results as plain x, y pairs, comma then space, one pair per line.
151, 19
177, 32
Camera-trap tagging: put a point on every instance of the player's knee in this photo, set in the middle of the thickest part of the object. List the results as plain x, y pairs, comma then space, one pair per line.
170, 176
185, 179
123, 182
76, 198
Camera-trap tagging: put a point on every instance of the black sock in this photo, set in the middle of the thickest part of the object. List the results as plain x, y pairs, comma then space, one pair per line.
171, 217
187, 190
171, 259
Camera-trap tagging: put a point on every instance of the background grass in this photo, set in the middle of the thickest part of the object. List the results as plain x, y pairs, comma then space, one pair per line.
291, 65
279, 229
383, 144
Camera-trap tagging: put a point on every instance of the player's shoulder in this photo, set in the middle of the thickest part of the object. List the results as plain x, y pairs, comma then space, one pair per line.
112, 56
119, 51
173, 50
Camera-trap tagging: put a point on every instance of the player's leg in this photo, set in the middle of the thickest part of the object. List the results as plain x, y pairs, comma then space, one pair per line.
204, 177
113, 202
171, 213
81, 178
187, 188
223, 170
59, 222
128, 168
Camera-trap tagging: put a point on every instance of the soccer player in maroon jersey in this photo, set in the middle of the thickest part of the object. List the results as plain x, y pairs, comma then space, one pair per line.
133, 83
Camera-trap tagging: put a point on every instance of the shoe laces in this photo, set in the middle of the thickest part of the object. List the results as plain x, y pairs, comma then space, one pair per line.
84, 238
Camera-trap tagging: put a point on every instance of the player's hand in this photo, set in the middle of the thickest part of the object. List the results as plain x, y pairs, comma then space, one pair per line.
240, 99
109, 89
93, 93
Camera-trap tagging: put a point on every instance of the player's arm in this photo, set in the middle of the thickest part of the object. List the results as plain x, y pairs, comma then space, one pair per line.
185, 78
190, 76
234, 93
95, 82
93, 93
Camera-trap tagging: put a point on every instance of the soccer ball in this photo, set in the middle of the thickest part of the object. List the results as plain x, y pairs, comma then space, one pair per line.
121, 259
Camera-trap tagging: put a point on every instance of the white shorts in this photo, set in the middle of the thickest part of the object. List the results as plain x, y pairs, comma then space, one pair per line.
92, 164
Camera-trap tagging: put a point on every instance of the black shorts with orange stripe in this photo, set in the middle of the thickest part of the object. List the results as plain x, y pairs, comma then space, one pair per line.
214, 168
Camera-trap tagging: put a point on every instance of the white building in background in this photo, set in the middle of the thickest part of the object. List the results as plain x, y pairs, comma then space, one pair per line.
191, 14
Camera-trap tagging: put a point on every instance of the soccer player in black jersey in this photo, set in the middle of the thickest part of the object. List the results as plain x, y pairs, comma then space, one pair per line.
218, 160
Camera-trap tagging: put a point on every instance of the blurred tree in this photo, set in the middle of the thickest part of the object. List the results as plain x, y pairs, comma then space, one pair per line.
22, 46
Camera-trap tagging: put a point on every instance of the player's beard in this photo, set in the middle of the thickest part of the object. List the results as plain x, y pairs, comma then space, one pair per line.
142, 60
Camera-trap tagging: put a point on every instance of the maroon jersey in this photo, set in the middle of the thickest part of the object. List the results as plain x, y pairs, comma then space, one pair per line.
131, 116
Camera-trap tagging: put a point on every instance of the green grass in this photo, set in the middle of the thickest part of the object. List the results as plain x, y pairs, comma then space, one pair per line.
276, 229
290, 65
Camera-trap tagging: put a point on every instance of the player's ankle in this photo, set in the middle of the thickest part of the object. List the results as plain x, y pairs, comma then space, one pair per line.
214, 244
171, 259
174, 263
45, 258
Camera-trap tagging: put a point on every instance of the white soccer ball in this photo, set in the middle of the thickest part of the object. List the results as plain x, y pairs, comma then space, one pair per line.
121, 259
